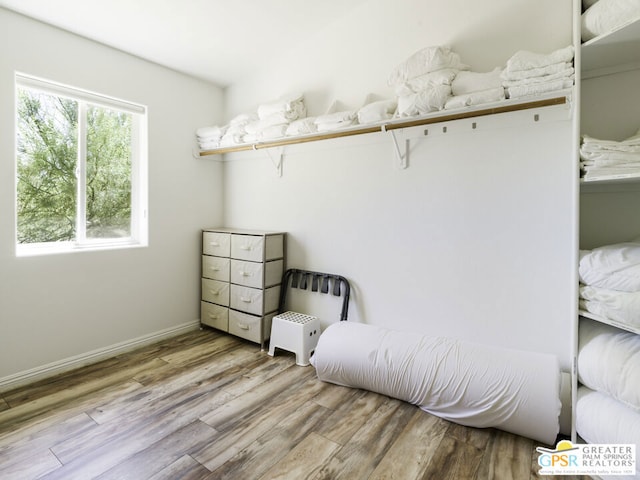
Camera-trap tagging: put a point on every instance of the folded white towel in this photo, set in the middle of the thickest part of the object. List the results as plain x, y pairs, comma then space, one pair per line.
539, 88
475, 98
469, 82
565, 73
429, 59
209, 145
610, 159
536, 72
525, 60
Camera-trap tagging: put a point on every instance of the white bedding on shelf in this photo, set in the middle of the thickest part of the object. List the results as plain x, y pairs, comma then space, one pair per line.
609, 362
475, 98
613, 267
605, 16
602, 419
622, 308
377, 111
467, 383
531, 73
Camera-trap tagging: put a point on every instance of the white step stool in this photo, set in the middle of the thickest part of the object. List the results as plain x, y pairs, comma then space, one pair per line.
295, 332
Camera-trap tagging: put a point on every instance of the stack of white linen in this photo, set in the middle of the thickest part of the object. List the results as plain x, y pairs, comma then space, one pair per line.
602, 159
209, 137
610, 282
274, 118
422, 83
529, 73
236, 129
474, 88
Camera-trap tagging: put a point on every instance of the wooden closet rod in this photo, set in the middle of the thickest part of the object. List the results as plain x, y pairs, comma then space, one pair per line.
392, 125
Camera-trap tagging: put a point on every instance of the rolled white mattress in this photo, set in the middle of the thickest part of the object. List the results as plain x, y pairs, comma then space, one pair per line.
467, 383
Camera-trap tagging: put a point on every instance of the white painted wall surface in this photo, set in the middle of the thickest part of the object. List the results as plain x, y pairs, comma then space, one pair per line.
354, 56
473, 240
61, 306
476, 238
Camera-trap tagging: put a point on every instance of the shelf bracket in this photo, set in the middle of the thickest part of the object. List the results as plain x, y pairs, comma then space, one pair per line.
277, 158
403, 159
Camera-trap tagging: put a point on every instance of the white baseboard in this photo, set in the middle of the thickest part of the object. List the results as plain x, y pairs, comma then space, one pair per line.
61, 366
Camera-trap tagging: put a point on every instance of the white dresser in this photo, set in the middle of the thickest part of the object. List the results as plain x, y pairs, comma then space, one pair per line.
241, 276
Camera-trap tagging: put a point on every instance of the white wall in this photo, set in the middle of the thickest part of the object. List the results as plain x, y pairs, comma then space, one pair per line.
61, 306
476, 238
354, 56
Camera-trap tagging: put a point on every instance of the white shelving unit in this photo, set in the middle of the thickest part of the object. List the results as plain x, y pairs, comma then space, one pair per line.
606, 60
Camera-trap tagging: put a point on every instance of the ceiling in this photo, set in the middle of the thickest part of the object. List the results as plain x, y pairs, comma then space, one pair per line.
220, 41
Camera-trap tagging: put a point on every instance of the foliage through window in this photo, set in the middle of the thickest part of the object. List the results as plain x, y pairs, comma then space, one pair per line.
80, 168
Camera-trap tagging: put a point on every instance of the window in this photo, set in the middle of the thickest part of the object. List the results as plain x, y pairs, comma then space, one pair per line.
81, 169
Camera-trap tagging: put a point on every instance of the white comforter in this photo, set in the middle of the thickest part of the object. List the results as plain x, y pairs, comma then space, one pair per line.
609, 362
612, 267
463, 382
622, 308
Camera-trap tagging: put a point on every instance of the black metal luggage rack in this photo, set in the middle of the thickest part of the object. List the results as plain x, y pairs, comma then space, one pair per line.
319, 282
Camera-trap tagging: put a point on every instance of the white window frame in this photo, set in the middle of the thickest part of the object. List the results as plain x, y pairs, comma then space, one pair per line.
139, 171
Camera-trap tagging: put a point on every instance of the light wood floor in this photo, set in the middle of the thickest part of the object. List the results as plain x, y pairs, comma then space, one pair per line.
206, 405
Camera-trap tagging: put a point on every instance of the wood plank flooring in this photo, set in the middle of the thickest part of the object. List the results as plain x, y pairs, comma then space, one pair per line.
206, 405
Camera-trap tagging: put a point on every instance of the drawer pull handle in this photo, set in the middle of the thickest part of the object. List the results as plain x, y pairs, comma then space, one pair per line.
214, 292
246, 299
245, 247
243, 326
246, 274
215, 269
213, 317
214, 244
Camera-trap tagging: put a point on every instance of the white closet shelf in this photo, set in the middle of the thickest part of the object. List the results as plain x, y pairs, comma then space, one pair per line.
613, 179
560, 98
612, 52
608, 321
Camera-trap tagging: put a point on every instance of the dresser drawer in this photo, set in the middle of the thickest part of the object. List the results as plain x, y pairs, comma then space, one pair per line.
248, 326
214, 316
257, 248
247, 247
217, 268
216, 243
256, 275
215, 291
253, 300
